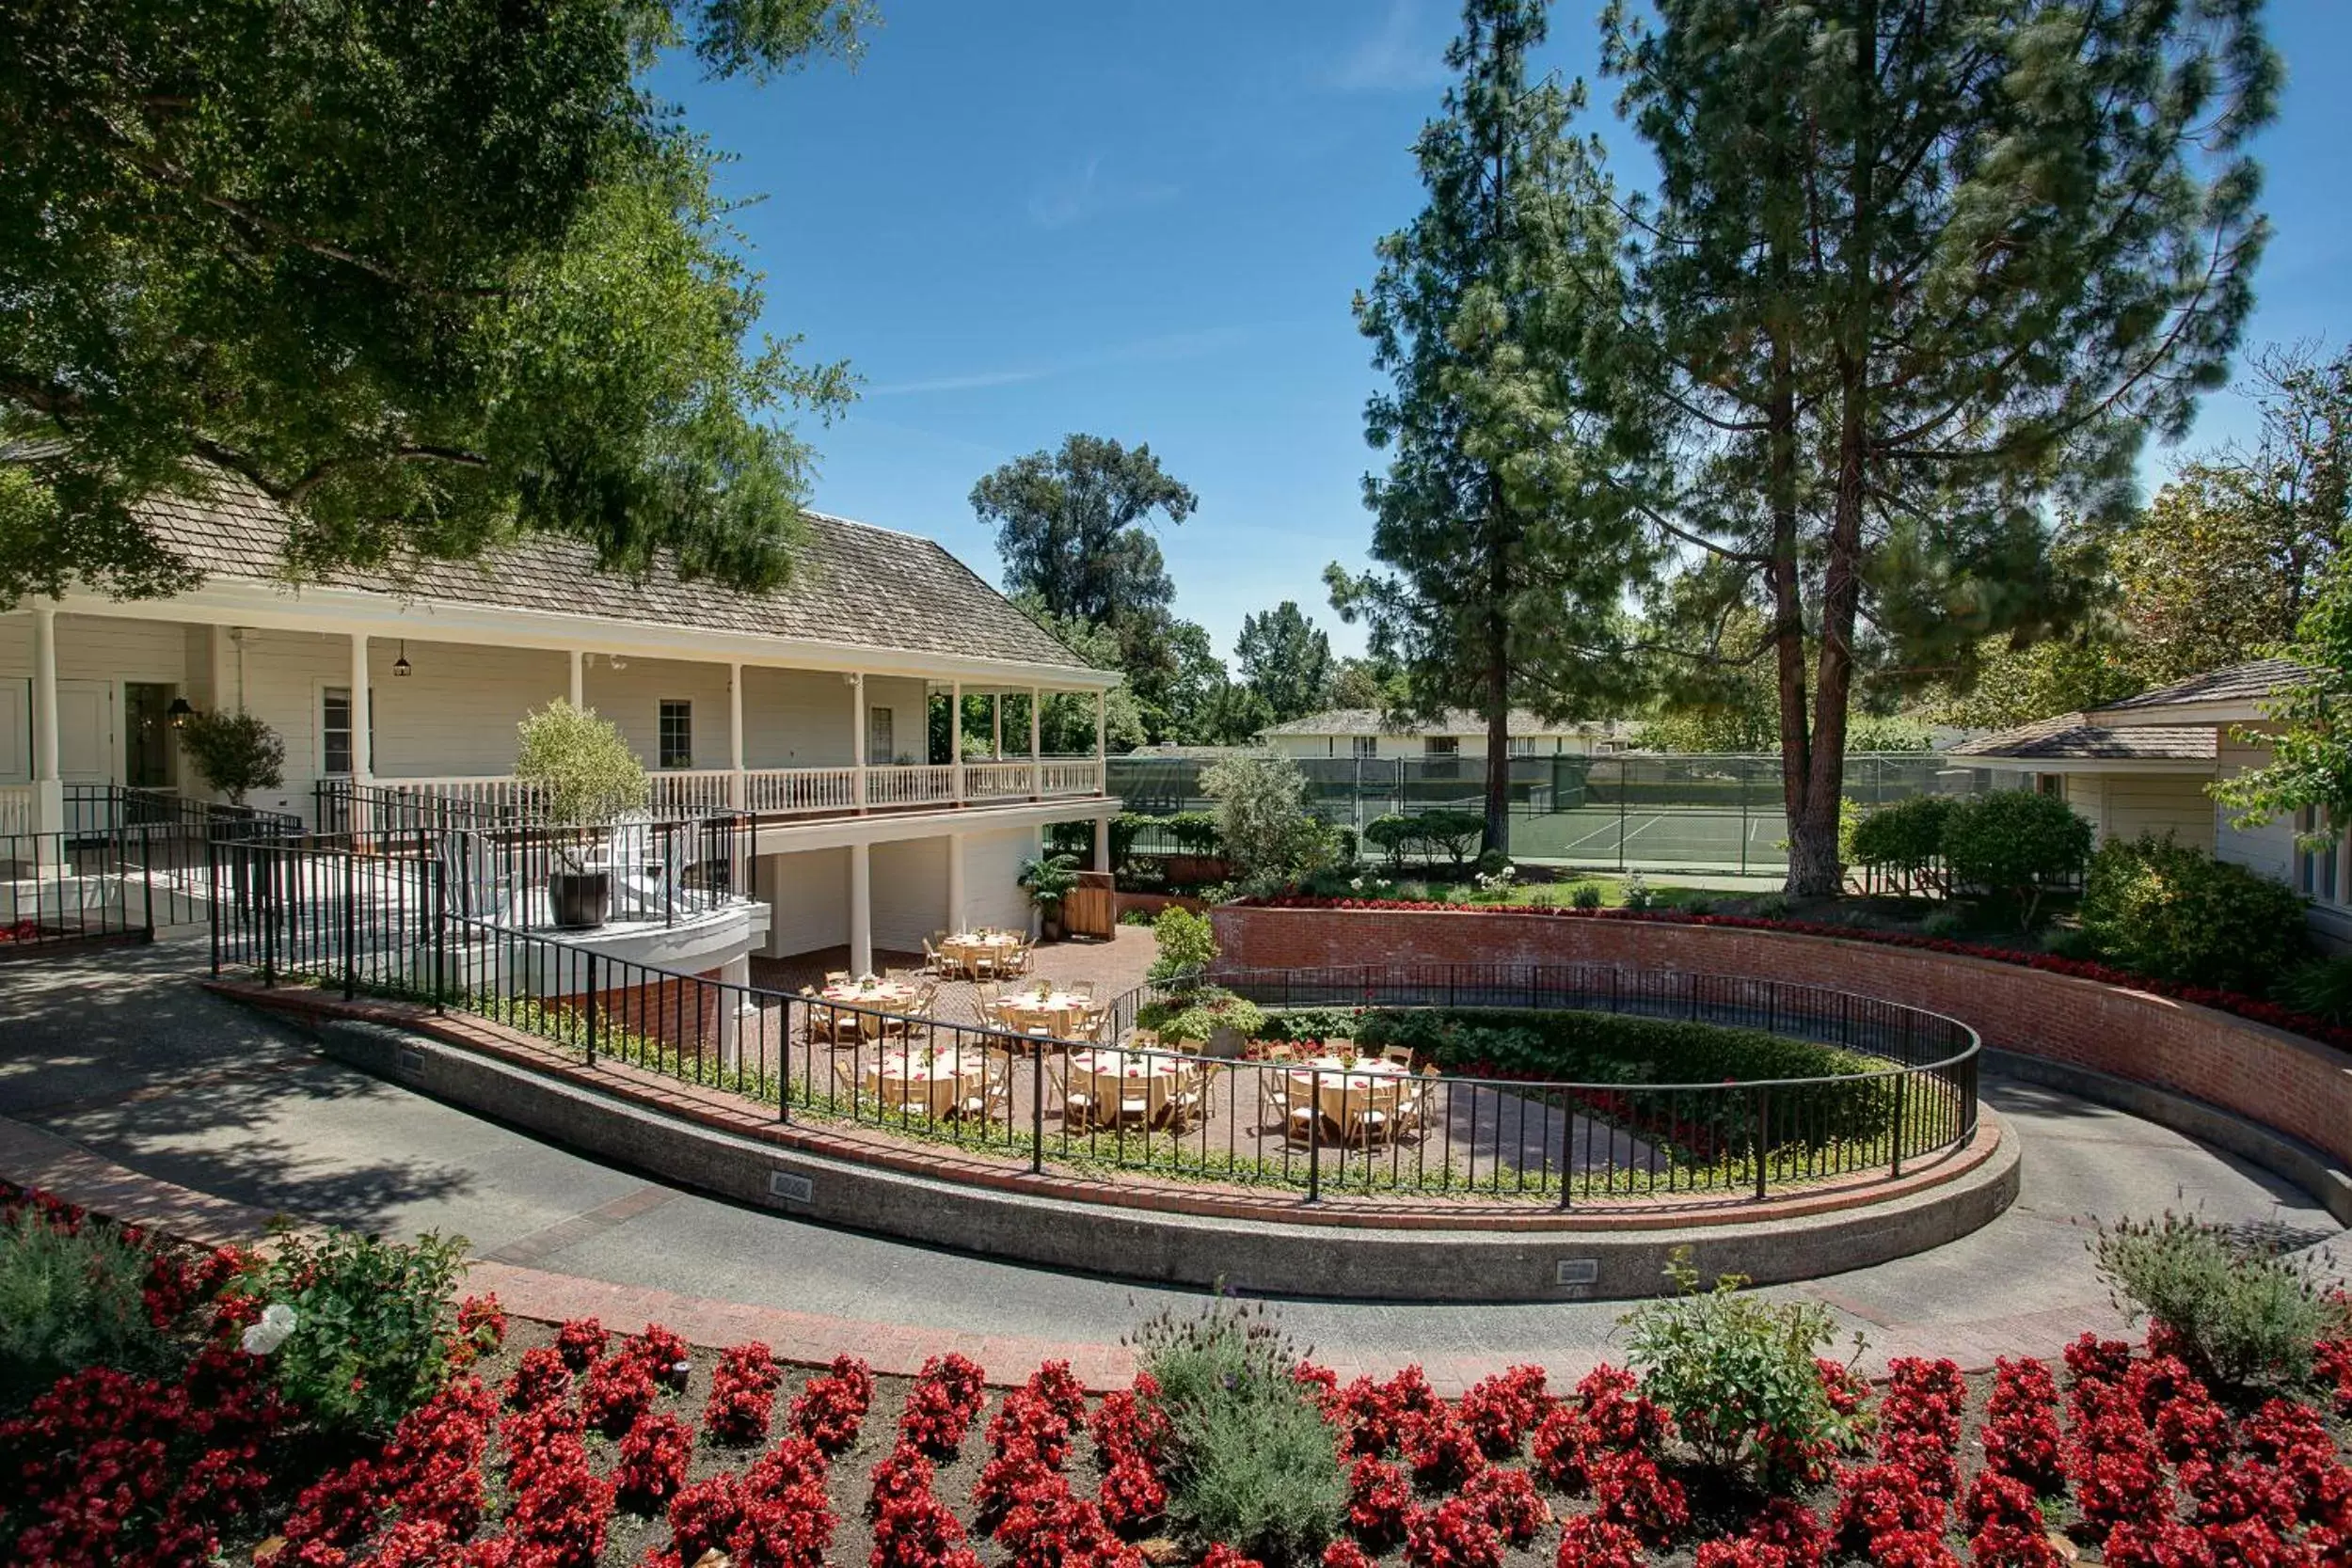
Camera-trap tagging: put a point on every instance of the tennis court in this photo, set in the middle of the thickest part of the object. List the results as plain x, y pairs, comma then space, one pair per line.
1631, 837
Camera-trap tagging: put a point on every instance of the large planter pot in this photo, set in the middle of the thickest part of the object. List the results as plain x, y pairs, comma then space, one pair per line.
1225, 1043
580, 900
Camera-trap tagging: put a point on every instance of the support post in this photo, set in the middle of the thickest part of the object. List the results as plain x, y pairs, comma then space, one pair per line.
580, 677
955, 737
955, 884
48, 787
1102, 743
1037, 769
735, 1006
736, 799
996, 726
857, 738
362, 712
861, 909
1103, 844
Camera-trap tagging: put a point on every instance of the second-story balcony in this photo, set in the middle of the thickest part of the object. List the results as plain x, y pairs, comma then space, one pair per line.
766, 793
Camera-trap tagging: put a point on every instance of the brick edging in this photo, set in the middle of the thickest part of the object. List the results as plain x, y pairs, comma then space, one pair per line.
716, 1109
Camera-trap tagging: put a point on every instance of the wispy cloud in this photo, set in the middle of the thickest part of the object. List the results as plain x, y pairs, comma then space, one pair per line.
1397, 56
1085, 192
1194, 344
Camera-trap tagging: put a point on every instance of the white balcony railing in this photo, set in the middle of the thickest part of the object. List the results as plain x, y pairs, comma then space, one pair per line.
795, 791
16, 809
766, 791
910, 786
693, 791
1070, 776
995, 781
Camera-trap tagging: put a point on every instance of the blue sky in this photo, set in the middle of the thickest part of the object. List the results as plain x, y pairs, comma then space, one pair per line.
1146, 220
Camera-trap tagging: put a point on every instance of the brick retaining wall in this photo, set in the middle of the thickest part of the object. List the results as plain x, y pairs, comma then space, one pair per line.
2294, 1085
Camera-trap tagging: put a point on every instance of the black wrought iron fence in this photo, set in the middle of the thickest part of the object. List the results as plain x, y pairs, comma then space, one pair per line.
125, 863
1071, 1081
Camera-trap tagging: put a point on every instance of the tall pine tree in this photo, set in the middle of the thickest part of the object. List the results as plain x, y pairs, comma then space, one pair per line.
1918, 276
1506, 544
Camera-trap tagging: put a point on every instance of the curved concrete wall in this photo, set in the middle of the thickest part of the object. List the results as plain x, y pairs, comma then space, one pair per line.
2287, 1082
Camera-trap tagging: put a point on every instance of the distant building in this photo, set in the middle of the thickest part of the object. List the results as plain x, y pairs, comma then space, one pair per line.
2146, 764
1362, 732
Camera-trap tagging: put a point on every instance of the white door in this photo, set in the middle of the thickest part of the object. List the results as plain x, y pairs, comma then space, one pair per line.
86, 732
16, 731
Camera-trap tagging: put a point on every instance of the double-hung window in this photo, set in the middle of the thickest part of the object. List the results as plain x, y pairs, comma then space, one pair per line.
335, 751
1367, 746
677, 748
2316, 870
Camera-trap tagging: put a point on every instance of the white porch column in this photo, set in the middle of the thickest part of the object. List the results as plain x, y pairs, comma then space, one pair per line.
955, 735
955, 884
996, 726
1102, 733
857, 737
735, 1007
580, 677
362, 712
48, 788
1037, 771
861, 909
1103, 844
736, 797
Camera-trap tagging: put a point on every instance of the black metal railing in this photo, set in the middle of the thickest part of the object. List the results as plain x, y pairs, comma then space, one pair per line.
125, 863
1088, 1092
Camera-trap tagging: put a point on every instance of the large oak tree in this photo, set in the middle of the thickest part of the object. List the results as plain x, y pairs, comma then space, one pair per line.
433, 275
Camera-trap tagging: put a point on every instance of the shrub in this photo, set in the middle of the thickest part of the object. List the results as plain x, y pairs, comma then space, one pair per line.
1393, 834
233, 752
1270, 838
2239, 1315
1586, 896
2322, 987
1773, 905
1186, 942
580, 764
1737, 1374
1201, 1013
2174, 912
70, 1297
2014, 845
1904, 840
1250, 1460
1048, 880
371, 1324
1454, 833
1943, 924
1195, 833
1637, 892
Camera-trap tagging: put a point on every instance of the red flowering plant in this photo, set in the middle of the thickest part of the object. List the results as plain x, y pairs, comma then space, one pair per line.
1631, 1490
1454, 1534
1129, 1421
653, 1460
831, 1407
743, 1394
1564, 1447
540, 1378
1131, 1494
664, 1354
1511, 1503
1344, 1552
2004, 1525
704, 1515
1046, 1526
480, 1328
1441, 1450
617, 1390
787, 1529
1884, 1512
562, 1511
581, 1342
1378, 1501
1920, 1422
946, 1398
2021, 1432
1589, 1541
1502, 1410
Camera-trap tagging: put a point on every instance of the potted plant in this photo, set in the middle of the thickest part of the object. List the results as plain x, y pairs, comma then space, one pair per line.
1050, 879
1211, 1021
233, 752
585, 779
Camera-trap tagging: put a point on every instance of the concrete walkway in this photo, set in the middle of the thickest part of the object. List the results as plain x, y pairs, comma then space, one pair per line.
118, 1053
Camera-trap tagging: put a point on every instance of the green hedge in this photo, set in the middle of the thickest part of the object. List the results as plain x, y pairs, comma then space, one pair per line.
2169, 909
1616, 1049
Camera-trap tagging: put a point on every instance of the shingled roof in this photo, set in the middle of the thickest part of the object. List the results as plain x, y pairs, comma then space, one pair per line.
2239, 682
851, 583
2072, 737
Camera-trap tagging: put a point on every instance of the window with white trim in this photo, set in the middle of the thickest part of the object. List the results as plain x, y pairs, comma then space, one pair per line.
1441, 745
879, 729
676, 737
335, 730
1522, 745
1367, 745
2318, 873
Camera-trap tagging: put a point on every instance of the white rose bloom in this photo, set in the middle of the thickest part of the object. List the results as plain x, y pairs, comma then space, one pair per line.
276, 1326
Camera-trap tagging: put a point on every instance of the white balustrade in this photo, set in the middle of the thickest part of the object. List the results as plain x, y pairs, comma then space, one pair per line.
791, 791
499, 794
910, 786
692, 790
1070, 776
16, 809
995, 781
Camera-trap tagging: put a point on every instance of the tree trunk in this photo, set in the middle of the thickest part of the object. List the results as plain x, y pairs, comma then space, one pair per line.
1497, 732
1788, 597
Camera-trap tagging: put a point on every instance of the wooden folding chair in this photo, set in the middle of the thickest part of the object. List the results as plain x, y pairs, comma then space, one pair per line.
1076, 1106
1275, 1110
1397, 1056
836, 976
993, 1103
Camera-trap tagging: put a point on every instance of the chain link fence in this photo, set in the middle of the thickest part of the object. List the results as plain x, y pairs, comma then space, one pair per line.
1627, 812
